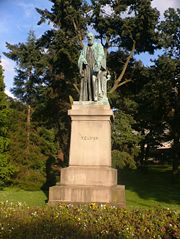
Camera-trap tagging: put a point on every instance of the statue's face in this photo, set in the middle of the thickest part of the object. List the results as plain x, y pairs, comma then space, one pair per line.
90, 38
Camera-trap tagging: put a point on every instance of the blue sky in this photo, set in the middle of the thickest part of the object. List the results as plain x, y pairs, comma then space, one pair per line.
18, 17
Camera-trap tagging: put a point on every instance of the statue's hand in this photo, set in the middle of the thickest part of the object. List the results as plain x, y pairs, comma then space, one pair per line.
97, 67
108, 77
81, 73
85, 62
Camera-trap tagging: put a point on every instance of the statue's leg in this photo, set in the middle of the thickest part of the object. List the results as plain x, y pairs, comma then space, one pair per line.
88, 85
95, 88
104, 83
90, 97
85, 91
81, 89
105, 86
100, 84
99, 90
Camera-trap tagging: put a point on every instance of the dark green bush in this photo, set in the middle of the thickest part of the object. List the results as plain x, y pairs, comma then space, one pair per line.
88, 221
30, 180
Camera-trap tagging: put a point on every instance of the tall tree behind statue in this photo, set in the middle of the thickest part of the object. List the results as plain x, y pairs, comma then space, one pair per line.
32, 142
6, 168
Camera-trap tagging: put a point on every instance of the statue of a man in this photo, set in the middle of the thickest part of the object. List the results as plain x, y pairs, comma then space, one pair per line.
92, 66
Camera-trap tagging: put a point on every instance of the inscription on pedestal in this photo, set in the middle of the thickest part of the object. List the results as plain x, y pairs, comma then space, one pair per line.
88, 138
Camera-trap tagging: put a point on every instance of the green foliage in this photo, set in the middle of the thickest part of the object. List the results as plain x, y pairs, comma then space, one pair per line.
139, 24
6, 169
30, 179
124, 141
122, 159
169, 30
4, 115
158, 102
88, 221
30, 61
66, 15
31, 165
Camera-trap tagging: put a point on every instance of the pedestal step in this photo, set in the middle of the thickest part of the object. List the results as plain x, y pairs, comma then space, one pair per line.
87, 194
81, 175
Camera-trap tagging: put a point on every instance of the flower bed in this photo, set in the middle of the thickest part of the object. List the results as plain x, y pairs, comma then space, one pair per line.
19, 221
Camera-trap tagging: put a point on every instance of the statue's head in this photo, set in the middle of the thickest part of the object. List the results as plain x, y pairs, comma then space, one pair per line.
90, 38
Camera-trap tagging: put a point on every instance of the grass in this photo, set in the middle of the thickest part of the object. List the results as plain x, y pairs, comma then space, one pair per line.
31, 198
154, 187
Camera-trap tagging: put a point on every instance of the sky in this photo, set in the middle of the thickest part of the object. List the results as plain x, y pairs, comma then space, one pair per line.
18, 17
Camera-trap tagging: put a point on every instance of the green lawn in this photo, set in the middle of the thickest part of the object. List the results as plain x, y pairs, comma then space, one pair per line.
34, 198
151, 188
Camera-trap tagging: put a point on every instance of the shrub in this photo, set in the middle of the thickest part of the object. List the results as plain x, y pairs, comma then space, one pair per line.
87, 221
7, 170
30, 180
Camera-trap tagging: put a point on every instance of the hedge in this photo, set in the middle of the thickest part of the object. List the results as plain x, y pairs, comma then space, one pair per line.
18, 221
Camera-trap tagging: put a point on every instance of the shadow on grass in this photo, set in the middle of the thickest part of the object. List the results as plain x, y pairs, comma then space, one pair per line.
51, 177
154, 182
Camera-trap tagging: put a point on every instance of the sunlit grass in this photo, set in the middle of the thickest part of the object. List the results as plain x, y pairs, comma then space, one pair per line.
35, 198
133, 200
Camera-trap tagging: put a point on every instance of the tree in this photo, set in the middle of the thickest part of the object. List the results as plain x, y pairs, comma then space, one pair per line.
125, 141
170, 39
29, 135
158, 102
31, 172
27, 82
159, 97
6, 169
169, 32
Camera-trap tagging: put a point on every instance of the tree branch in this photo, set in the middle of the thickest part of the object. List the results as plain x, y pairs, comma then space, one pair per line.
118, 80
77, 89
78, 33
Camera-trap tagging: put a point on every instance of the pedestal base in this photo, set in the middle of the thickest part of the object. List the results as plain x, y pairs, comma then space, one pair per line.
114, 195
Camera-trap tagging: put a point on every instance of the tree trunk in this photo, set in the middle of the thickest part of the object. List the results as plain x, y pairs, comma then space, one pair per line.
176, 155
28, 126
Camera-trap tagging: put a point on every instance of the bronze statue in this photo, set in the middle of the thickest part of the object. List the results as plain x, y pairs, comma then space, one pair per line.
92, 66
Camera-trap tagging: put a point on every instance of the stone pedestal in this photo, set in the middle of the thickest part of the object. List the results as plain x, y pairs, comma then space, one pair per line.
89, 177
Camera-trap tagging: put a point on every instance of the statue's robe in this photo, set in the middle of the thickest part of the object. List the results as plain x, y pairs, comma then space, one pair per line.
90, 58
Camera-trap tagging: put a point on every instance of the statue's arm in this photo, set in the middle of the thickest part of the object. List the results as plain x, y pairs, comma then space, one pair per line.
82, 59
100, 57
